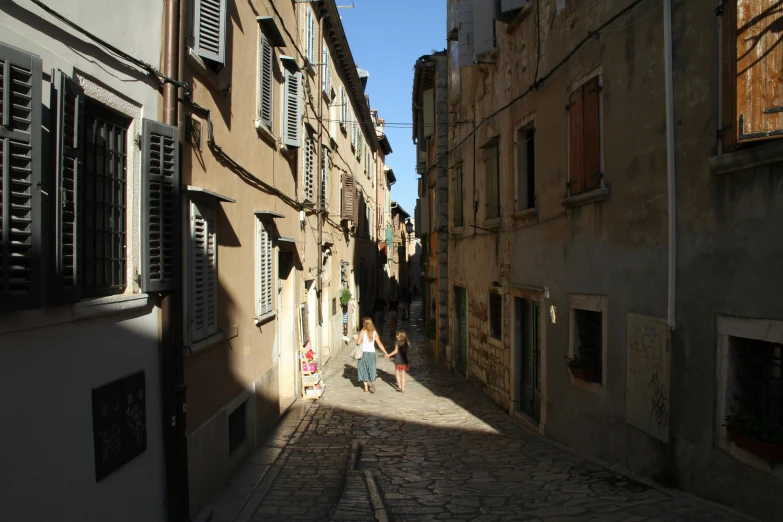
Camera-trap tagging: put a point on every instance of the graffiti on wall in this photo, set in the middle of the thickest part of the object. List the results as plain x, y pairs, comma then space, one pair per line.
648, 375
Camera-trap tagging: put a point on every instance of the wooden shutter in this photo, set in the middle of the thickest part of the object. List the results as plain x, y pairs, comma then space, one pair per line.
70, 127
210, 29
160, 207
575, 145
203, 276
20, 179
591, 129
348, 195
307, 165
265, 75
292, 132
264, 250
729, 130
759, 57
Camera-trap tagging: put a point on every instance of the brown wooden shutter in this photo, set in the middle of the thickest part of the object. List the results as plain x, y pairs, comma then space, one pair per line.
575, 144
348, 194
759, 67
729, 66
591, 140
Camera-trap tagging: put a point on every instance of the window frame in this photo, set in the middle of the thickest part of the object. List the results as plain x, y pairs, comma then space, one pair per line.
579, 85
488, 147
591, 303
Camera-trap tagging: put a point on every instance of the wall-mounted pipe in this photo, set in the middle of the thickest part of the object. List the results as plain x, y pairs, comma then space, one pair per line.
670, 163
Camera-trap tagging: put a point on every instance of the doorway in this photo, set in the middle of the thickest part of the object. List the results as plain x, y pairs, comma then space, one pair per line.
527, 350
461, 330
287, 350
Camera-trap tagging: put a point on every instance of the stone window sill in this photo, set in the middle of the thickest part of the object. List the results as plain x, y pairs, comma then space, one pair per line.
495, 342
761, 154
528, 213
594, 387
205, 344
457, 230
266, 134
492, 224
588, 197
103, 306
203, 71
259, 320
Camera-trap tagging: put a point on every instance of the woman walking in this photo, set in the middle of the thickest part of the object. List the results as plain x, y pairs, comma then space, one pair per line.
367, 338
400, 360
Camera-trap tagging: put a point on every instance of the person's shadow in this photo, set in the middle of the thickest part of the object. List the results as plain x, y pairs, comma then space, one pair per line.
352, 374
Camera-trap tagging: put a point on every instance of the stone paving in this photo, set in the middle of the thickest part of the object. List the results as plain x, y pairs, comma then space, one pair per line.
440, 451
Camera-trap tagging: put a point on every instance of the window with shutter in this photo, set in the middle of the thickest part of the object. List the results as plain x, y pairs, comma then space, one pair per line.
348, 195
203, 272
354, 128
584, 138
327, 71
458, 196
264, 270
526, 168
752, 67
465, 33
358, 198
209, 30
20, 178
266, 80
292, 130
70, 133
492, 179
307, 168
343, 108
160, 207
309, 35
325, 179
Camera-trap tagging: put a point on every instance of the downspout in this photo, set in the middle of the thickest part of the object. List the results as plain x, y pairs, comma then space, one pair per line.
172, 374
670, 172
321, 211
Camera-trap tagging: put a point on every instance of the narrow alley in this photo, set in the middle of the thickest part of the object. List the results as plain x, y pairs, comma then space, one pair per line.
440, 451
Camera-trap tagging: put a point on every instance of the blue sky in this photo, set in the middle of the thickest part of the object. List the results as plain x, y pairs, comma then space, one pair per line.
386, 39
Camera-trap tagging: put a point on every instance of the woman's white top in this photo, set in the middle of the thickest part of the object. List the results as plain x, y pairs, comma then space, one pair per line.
368, 345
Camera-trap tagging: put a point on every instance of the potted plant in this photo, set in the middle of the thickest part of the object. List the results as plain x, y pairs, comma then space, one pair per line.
583, 369
757, 435
345, 297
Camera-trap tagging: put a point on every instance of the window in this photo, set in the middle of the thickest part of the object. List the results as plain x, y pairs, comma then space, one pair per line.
589, 342
209, 30
292, 112
308, 165
496, 316
237, 427
325, 178
103, 241
458, 195
266, 80
309, 35
349, 204
526, 168
492, 179
756, 390
752, 55
264, 269
584, 138
334, 306
202, 256
326, 79
343, 109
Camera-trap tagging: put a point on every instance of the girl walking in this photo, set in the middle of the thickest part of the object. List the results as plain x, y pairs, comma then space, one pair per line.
400, 359
367, 338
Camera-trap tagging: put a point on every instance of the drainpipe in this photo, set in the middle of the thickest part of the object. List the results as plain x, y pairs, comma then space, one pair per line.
320, 214
670, 172
172, 375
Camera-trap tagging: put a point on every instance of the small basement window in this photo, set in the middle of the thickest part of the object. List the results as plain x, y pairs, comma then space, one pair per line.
237, 428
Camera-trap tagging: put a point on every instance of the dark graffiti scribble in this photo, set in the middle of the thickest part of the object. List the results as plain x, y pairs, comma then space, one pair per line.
658, 400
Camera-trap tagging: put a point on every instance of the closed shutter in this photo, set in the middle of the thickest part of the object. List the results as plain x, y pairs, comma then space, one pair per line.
70, 126
264, 275
354, 129
592, 134
359, 144
203, 276
307, 167
575, 143
310, 35
343, 110
210, 29
759, 67
265, 54
327, 74
20, 178
349, 192
292, 132
358, 199
325, 179
428, 109
160, 207
465, 33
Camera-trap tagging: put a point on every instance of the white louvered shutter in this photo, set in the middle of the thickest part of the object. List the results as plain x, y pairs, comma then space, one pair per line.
264, 287
343, 108
203, 273
307, 166
209, 29
309, 35
327, 71
265, 92
325, 178
292, 127
20, 178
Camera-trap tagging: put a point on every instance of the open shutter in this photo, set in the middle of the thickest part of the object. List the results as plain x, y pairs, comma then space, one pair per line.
292, 132
591, 142
325, 179
203, 263
343, 110
575, 146
20, 179
759, 66
70, 126
483, 27
209, 29
160, 207
264, 275
265, 76
327, 71
358, 199
307, 166
729, 130
310, 35
349, 192
465, 33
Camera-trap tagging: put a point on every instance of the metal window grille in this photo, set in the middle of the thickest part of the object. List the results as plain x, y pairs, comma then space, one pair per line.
105, 202
759, 379
495, 315
589, 332
237, 428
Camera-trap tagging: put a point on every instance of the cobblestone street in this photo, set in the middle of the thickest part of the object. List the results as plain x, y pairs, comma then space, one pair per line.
440, 451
